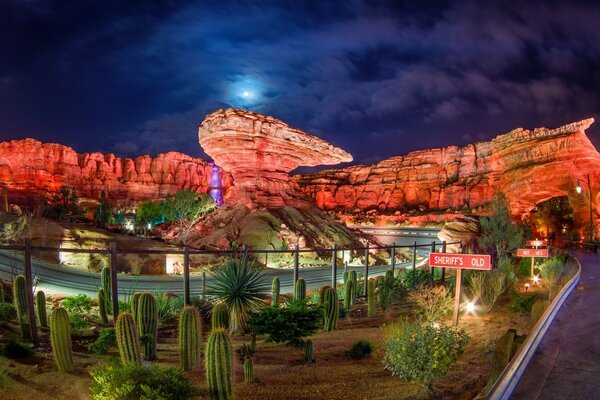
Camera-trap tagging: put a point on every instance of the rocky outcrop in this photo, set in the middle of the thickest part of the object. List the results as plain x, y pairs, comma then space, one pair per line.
29, 166
259, 152
528, 166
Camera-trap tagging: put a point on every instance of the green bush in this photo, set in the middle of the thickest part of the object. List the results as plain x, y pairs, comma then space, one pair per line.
288, 324
431, 305
487, 286
422, 353
417, 277
4, 379
521, 302
80, 304
124, 306
78, 323
360, 349
105, 340
524, 270
7, 312
134, 382
552, 269
168, 306
15, 348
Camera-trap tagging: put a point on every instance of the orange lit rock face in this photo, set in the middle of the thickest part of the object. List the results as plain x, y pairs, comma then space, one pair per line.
259, 152
528, 166
30, 165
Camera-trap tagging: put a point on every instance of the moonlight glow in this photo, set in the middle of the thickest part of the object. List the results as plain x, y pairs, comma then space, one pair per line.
245, 92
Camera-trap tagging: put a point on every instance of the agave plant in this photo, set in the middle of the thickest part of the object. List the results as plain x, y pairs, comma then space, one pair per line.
238, 283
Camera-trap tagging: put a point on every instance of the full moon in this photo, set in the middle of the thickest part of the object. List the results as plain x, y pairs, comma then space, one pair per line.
246, 93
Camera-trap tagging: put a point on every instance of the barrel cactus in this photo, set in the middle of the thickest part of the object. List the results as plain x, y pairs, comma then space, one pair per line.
371, 297
60, 338
275, 287
331, 310
128, 339
348, 294
189, 339
106, 284
218, 365
147, 320
309, 351
220, 317
248, 370
102, 305
20, 296
300, 289
40, 304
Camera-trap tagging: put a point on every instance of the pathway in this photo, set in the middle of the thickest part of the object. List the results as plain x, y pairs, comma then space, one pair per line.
567, 363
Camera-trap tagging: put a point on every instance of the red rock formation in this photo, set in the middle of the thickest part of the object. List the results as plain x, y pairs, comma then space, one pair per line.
260, 151
32, 166
528, 166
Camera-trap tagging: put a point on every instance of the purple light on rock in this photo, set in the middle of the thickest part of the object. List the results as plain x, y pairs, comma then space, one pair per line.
216, 190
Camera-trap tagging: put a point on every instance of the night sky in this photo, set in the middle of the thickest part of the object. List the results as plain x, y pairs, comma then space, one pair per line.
375, 78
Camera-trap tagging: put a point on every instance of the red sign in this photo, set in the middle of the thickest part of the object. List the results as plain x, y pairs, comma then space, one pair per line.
532, 253
537, 243
462, 261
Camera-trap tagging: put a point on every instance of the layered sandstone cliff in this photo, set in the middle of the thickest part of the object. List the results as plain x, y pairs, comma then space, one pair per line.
528, 166
29, 166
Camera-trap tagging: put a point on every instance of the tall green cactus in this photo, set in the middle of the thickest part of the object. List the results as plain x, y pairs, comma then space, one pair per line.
105, 283
346, 276
322, 292
135, 300
332, 311
371, 297
389, 279
189, 339
348, 294
218, 364
309, 351
275, 287
220, 317
40, 303
60, 338
102, 305
147, 320
300, 289
20, 296
128, 339
248, 370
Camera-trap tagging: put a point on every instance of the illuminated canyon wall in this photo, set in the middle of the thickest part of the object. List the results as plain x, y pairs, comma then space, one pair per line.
528, 166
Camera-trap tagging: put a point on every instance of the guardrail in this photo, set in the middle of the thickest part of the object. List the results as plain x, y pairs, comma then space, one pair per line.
591, 246
510, 377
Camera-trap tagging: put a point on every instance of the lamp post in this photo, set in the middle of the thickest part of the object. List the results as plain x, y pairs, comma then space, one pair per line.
579, 190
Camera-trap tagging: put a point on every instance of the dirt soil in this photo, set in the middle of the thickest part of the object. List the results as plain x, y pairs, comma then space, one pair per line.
278, 368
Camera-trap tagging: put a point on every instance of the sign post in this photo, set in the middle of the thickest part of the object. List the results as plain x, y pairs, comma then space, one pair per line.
460, 262
535, 252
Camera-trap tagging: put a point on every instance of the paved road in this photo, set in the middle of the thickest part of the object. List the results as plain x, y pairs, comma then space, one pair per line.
60, 279
567, 363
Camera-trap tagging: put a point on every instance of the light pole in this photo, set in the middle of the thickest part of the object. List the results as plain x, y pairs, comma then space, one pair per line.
579, 190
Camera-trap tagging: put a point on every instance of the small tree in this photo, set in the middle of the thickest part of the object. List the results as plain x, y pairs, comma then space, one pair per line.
62, 204
103, 212
500, 234
186, 209
149, 212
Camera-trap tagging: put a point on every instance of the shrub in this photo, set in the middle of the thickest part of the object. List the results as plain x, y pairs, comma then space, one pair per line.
417, 277
7, 312
500, 234
521, 302
14, 348
4, 379
552, 269
132, 382
487, 286
422, 353
80, 304
431, 304
360, 349
105, 340
288, 324
239, 285
168, 306
78, 323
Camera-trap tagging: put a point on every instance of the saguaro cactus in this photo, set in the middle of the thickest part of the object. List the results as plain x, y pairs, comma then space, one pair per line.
147, 320
105, 283
20, 296
128, 339
40, 303
220, 317
300, 289
322, 292
248, 370
102, 305
348, 294
389, 279
60, 338
189, 339
135, 299
309, 351
371, 297
331, 310
218, 363
275, 287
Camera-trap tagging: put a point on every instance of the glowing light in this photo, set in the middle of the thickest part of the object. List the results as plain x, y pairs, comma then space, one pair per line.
246, 93
149, 225
578, 188
536, 279
436, 325
526, 286
470, 307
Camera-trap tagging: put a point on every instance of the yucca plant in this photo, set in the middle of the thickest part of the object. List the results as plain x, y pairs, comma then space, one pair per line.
239, 285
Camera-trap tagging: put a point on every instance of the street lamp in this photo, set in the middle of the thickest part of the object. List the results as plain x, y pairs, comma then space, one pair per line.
579, 190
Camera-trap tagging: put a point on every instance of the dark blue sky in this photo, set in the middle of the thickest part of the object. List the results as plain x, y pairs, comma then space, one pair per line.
375, 78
